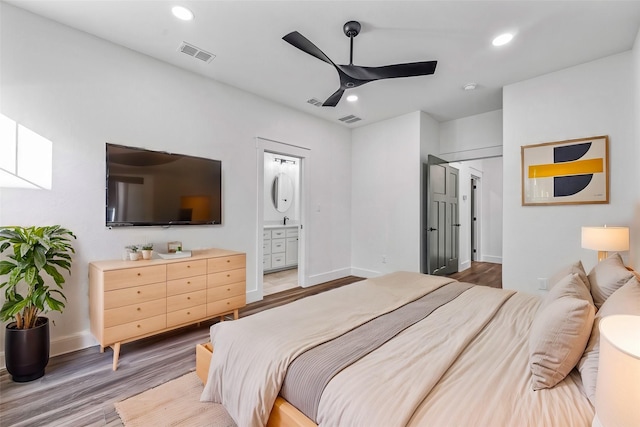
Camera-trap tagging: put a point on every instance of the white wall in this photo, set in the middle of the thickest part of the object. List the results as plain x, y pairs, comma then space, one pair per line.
385, 196
81, 92
635, 238
587, 100
472, 137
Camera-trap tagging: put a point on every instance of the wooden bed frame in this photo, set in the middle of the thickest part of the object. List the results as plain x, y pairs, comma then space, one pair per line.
283, 414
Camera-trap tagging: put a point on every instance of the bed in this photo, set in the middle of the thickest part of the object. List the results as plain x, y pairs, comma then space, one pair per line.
444, 353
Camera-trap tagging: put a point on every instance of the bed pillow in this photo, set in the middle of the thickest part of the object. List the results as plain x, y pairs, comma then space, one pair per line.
576, 267
625, 300
607, 277
560, 331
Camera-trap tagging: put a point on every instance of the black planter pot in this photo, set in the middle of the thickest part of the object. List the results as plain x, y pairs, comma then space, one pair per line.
26, 351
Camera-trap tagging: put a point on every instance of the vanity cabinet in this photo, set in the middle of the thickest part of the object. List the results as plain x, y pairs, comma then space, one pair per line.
280, 247
130, 300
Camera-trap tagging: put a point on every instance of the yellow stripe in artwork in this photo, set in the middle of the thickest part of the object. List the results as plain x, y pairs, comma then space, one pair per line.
579, 167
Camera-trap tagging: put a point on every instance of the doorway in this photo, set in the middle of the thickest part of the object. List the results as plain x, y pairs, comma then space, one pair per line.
442, 225
281, 191
281, 222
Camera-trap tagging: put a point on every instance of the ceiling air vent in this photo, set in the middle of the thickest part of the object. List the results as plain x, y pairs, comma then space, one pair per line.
349, 119
196, 52
315, 102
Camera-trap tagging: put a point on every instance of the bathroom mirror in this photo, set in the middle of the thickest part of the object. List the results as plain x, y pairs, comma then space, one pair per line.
282, 192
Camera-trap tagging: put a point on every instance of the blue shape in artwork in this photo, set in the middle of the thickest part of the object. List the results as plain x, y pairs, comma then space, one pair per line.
570, 185
570, 153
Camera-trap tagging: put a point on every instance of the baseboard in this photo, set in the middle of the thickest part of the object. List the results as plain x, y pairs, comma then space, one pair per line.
326, 277
65, 344
362, 272
464, 265
493, 259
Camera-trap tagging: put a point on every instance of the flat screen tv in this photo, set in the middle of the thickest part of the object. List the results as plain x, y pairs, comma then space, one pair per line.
146, 188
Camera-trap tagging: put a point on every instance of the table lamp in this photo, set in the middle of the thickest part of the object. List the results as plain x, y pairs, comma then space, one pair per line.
604, 239
618, 385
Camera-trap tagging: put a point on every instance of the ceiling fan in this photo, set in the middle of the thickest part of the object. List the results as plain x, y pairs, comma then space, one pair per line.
354, 75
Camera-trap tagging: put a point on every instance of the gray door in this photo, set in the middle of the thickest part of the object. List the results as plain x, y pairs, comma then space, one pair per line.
442, 226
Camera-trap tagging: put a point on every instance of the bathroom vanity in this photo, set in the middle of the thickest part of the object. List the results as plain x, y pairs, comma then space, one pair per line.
280, 247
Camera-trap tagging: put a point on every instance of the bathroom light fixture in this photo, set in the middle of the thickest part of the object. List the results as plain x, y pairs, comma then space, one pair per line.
182, 12
352, 98
470, 86
281, 161
502, 39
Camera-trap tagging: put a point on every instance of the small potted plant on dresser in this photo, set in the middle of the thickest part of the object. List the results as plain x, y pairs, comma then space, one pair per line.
134, 255
33, 251
147, 251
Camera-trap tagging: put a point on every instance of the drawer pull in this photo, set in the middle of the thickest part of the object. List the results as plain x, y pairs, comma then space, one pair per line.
138, 292
229, 289
228, 303
228, 260
139, 309
188, 297
188, 283
228, 275
188, 313
188, 266
139, 274
138, 326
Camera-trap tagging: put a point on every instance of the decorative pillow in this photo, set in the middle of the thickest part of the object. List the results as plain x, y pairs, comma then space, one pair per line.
607, 277
625, 300
576, 267
560, 331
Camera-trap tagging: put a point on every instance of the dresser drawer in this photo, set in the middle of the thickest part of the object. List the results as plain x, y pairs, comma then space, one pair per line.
134, 329
186, 269
266, 247
292, 232
189, 284
130, 277
225, 305
277, 246
134, 312
277, 260
225, 263
226, 277
128, 296
226, 291
186, 315
278, 233
179, 302
266, 234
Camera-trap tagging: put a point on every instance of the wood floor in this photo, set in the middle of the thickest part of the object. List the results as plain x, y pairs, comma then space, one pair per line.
481, 273
79, 388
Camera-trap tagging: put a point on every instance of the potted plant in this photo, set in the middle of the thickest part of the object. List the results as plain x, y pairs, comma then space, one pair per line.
147, 250
133, 252
33, 251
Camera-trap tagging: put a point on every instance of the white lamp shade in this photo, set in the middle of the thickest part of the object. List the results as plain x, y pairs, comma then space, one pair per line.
605, 238
618, 385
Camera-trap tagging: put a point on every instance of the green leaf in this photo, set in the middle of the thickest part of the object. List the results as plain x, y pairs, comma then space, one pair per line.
55, 304
51, 270
40, 257
30, 276
6, 267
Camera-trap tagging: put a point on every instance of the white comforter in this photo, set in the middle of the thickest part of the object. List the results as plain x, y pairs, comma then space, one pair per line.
465, 364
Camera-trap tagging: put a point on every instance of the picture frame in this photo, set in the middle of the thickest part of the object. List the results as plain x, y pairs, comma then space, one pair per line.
570, 172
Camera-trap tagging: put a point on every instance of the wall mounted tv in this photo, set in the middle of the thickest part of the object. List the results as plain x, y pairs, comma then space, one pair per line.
156, 188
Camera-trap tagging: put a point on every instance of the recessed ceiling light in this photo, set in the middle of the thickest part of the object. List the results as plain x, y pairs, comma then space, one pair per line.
470, 86
182, 12
502, 39
352, 98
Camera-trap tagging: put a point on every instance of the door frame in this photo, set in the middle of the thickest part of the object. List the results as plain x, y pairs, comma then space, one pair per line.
304, 154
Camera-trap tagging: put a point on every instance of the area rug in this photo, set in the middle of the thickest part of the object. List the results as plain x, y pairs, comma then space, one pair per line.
174, 403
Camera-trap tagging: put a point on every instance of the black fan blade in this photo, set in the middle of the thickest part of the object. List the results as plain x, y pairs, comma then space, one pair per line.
410, 69
333, 100
301, 42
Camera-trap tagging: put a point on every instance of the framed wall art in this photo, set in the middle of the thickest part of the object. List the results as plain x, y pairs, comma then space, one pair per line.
566, 172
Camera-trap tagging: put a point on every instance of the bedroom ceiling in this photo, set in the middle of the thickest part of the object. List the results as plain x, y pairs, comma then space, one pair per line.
246, 39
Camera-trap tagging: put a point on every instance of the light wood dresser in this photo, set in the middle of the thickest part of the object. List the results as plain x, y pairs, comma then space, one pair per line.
130, 300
